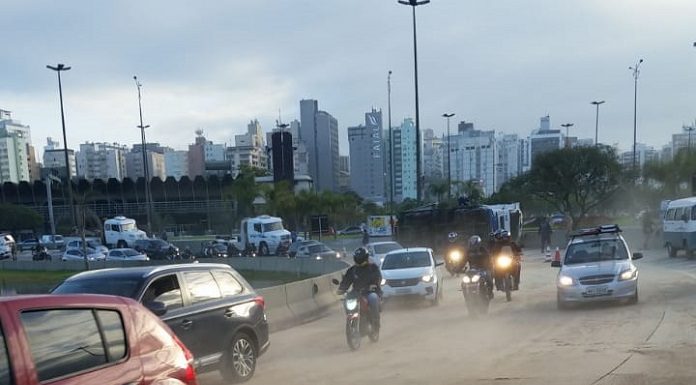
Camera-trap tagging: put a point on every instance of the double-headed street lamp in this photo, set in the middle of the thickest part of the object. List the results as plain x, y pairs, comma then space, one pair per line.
419, 184
60, 68
449, 164
596, 128
391, 145
142, 128
636, 73
689, 129
567, 139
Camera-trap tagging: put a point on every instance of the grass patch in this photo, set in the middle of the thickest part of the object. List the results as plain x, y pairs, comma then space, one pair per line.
33, 276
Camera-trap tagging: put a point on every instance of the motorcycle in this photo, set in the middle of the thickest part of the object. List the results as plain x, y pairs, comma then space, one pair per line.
41, 255
454, 260
358, 323
476, 291
504, 267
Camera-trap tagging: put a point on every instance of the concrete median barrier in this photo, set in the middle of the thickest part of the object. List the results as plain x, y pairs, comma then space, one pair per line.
279, 314
300, 297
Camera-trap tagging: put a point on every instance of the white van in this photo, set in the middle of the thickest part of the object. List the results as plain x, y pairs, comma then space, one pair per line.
266, 234
679, 226
122, 232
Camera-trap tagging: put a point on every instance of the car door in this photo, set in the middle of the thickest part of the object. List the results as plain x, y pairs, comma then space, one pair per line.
167, 290
115, 255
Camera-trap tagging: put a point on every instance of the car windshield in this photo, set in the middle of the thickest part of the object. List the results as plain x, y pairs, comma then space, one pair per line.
120, 287
317, 248
130, 253
94, 244
272, 226
406, 260
128, 227
384, 248
596, 250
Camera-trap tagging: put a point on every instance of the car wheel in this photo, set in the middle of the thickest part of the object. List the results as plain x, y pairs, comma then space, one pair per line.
240, 361
560, 304
634, 300
263, 249
438, 296
671, 251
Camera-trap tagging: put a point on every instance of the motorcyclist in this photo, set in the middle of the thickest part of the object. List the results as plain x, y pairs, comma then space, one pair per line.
502, 241
454, 256
478, 257
365, 277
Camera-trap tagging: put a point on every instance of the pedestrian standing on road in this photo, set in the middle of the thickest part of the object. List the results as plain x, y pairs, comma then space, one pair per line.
648, 227
365, 237
545, 233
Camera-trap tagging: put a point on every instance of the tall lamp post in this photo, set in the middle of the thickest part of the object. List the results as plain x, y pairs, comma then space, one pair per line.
636, 73
414, 4
142, 128
60, 68
689, 129
596, 127
391, 145
449, 172
567, 126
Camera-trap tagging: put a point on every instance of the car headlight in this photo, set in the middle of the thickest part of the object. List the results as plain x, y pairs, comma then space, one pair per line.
564, 280
628, 274
466, 279
351, 304
503, 261
455, 255
384, 282
428, 278
318, 257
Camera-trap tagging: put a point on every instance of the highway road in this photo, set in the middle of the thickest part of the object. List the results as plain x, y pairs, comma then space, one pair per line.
526, 341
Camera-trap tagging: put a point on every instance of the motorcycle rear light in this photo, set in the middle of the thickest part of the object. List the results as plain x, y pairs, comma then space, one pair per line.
260, 301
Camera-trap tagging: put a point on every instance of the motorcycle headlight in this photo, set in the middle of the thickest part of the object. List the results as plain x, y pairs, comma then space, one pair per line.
428, 278
475, 278
351, 304
338, 255
455, 255
564, 280
503, 261
384, 282
628, 274
466, 279
318, 257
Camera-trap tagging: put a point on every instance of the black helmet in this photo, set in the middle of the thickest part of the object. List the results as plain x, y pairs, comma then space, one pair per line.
361, 255
474, 241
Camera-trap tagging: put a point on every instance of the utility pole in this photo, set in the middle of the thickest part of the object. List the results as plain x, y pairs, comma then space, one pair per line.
148, 198
391, 147
596, 129
567, 126
636, 74
449, 164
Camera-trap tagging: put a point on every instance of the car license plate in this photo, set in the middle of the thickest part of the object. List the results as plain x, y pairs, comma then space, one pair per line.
403, 291
597, 291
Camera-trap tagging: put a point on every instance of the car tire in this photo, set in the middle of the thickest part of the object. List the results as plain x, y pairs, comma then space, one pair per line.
560, 304
263, 249
239, 362
634, 299
671, 251
438, 296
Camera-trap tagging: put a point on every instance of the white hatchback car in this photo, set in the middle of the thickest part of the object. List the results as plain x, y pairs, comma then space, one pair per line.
411, 272
597, 267
378, 250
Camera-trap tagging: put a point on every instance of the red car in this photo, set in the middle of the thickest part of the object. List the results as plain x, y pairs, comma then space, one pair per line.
88, 339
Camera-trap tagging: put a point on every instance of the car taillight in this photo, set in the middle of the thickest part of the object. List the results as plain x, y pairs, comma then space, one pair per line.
260, 301
190, 373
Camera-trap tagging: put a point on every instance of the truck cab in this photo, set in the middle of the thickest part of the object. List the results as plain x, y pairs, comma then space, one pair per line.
122, 232
266, 234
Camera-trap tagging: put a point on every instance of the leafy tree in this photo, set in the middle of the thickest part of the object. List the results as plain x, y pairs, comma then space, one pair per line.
575, 180
244, 190
438, 189
17, 217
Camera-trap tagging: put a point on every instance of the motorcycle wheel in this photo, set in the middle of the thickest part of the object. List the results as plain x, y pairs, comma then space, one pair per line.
353, 334
507, 284
373, 334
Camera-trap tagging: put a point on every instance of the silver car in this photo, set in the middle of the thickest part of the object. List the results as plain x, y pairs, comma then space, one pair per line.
597, 267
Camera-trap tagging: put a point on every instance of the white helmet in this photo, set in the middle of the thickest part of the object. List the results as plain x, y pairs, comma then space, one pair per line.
452, 236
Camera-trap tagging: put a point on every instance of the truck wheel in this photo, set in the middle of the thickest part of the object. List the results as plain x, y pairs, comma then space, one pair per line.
671, 251
121, 244
263, 249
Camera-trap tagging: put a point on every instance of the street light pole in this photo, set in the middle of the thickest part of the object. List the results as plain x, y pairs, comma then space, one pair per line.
391, 145
414, 4
567, 126
449, 172
59, 68
142, 128
636, 73
596, 129
689, 129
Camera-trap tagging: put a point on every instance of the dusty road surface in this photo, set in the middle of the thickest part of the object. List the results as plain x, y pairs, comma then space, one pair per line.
526, 341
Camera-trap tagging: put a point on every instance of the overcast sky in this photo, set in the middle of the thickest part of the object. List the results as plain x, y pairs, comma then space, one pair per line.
216, 65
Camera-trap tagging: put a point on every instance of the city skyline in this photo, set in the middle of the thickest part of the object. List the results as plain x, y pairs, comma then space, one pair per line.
211, 67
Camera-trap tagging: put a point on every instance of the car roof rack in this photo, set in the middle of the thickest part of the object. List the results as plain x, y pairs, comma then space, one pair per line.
604, 229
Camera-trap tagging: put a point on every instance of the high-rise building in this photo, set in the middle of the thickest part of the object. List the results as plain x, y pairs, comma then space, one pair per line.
404, 159
154, 147
644, 153
510, 158
54, 159
204, 152
367, 158
101, 161
474, 157
434, 156
156, 167
682, 141
300, 156
176, 164
544, 139
249, 149
319, 132
16, 159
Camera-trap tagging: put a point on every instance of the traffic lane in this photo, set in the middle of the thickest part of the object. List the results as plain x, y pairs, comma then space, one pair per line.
526, 341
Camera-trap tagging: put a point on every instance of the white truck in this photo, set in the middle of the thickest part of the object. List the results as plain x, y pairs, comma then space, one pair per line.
122, 232
265, 234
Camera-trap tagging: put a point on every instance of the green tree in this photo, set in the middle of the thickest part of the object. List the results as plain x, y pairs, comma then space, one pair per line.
438, 189
16, 217
245, 190
575, 180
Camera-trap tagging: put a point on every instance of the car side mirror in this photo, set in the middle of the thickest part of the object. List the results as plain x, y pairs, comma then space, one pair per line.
555, 263
637, 256
158, 308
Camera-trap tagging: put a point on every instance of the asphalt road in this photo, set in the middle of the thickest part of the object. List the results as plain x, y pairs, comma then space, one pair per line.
526, 341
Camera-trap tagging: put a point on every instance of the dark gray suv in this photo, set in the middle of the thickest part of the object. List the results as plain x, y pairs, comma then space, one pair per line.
210, 307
